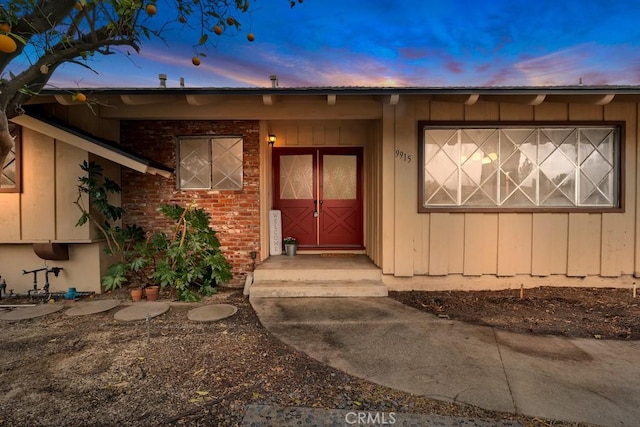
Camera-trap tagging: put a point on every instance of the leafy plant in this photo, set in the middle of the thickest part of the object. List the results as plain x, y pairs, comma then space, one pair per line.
38, 36
188, 259
97, 187
290, 241
191, 255
121, 242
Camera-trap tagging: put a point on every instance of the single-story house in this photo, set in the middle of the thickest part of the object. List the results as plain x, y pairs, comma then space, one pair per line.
441, 188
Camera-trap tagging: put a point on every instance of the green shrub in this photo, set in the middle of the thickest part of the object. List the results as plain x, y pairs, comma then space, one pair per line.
191, 256
189, 259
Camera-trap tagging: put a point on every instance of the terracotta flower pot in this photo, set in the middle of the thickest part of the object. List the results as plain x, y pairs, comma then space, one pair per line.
136, 294
152, 292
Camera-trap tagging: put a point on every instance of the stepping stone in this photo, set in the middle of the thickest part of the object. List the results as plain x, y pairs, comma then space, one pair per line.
24, 313
140, 311
91, 307
211, 313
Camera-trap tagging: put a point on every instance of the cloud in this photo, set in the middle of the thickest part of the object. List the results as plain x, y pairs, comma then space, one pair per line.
384, 43
454, 66
594, 63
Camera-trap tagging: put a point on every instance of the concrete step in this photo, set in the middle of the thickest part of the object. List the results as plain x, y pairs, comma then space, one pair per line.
316, 274
333, 288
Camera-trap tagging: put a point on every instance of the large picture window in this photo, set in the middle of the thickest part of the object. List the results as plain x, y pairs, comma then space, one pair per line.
210, 163
520, 167
10, 170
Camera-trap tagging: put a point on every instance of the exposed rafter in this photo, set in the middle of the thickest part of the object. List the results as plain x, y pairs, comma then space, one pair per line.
605, 99
64, 100
599, 99
268, 99
392, 99
198, 100
389, 96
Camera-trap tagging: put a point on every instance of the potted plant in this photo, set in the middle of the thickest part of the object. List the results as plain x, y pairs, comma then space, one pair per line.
152, 292
188, 258
290, 246
136, 294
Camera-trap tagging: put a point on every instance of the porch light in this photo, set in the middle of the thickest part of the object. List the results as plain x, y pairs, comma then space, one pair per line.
272, 139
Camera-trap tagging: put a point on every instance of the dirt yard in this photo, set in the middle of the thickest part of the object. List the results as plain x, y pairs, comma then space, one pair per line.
94, 371
572, 312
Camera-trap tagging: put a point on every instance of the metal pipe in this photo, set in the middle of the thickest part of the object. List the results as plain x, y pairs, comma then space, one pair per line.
3, 287
57, 294
16, 305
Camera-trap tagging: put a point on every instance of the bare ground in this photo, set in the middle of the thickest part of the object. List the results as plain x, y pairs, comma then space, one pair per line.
94, 371
600, 313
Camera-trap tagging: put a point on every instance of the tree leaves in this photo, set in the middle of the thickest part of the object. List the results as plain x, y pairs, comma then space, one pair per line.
50, 33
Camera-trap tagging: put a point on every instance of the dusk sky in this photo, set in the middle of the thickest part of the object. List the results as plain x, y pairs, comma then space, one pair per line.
433, 43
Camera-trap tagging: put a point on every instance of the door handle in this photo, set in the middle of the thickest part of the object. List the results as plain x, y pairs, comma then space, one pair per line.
315, 209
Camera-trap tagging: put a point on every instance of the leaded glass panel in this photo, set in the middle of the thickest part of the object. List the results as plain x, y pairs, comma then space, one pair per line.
226, 166
339, 177
210, 163
195, 165
296, 176
10, 170
522, 167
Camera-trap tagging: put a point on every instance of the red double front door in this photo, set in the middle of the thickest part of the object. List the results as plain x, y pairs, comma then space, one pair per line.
319, 192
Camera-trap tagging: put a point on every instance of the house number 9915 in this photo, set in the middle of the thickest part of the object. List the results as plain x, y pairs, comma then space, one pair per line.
405, 157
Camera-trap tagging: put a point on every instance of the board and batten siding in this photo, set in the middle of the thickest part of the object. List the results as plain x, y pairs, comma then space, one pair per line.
318, 133
509, 244
44, 211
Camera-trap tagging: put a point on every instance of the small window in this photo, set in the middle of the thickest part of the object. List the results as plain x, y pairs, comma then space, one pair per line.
207, 163
520, 168
10, 172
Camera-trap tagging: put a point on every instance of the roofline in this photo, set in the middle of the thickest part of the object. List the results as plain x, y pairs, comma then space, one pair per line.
494, 90
102, 147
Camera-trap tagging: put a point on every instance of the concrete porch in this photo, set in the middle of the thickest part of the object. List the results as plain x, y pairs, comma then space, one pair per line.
306, 275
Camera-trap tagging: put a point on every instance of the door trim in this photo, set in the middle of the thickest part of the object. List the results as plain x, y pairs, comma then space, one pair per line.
317, 152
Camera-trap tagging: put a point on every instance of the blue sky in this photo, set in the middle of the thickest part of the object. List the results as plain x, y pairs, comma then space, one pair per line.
434, 43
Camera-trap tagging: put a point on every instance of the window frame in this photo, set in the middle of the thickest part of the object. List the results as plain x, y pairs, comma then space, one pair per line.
619, 158
209, 139
17, 148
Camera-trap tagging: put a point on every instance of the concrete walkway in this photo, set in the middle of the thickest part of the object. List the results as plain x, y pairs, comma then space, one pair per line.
386, 342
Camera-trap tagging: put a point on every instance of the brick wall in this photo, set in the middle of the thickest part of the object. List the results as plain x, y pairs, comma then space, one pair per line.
235, 215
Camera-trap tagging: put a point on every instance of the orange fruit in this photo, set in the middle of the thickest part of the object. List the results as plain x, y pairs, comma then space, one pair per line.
251, 37
5, 27
78, 6
80, 97
7, 44
151, 9
230, 20
195, 61
217, 29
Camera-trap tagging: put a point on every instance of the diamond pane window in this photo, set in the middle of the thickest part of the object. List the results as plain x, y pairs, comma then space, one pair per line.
210, 163
10, 170
520, 167
227, 163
